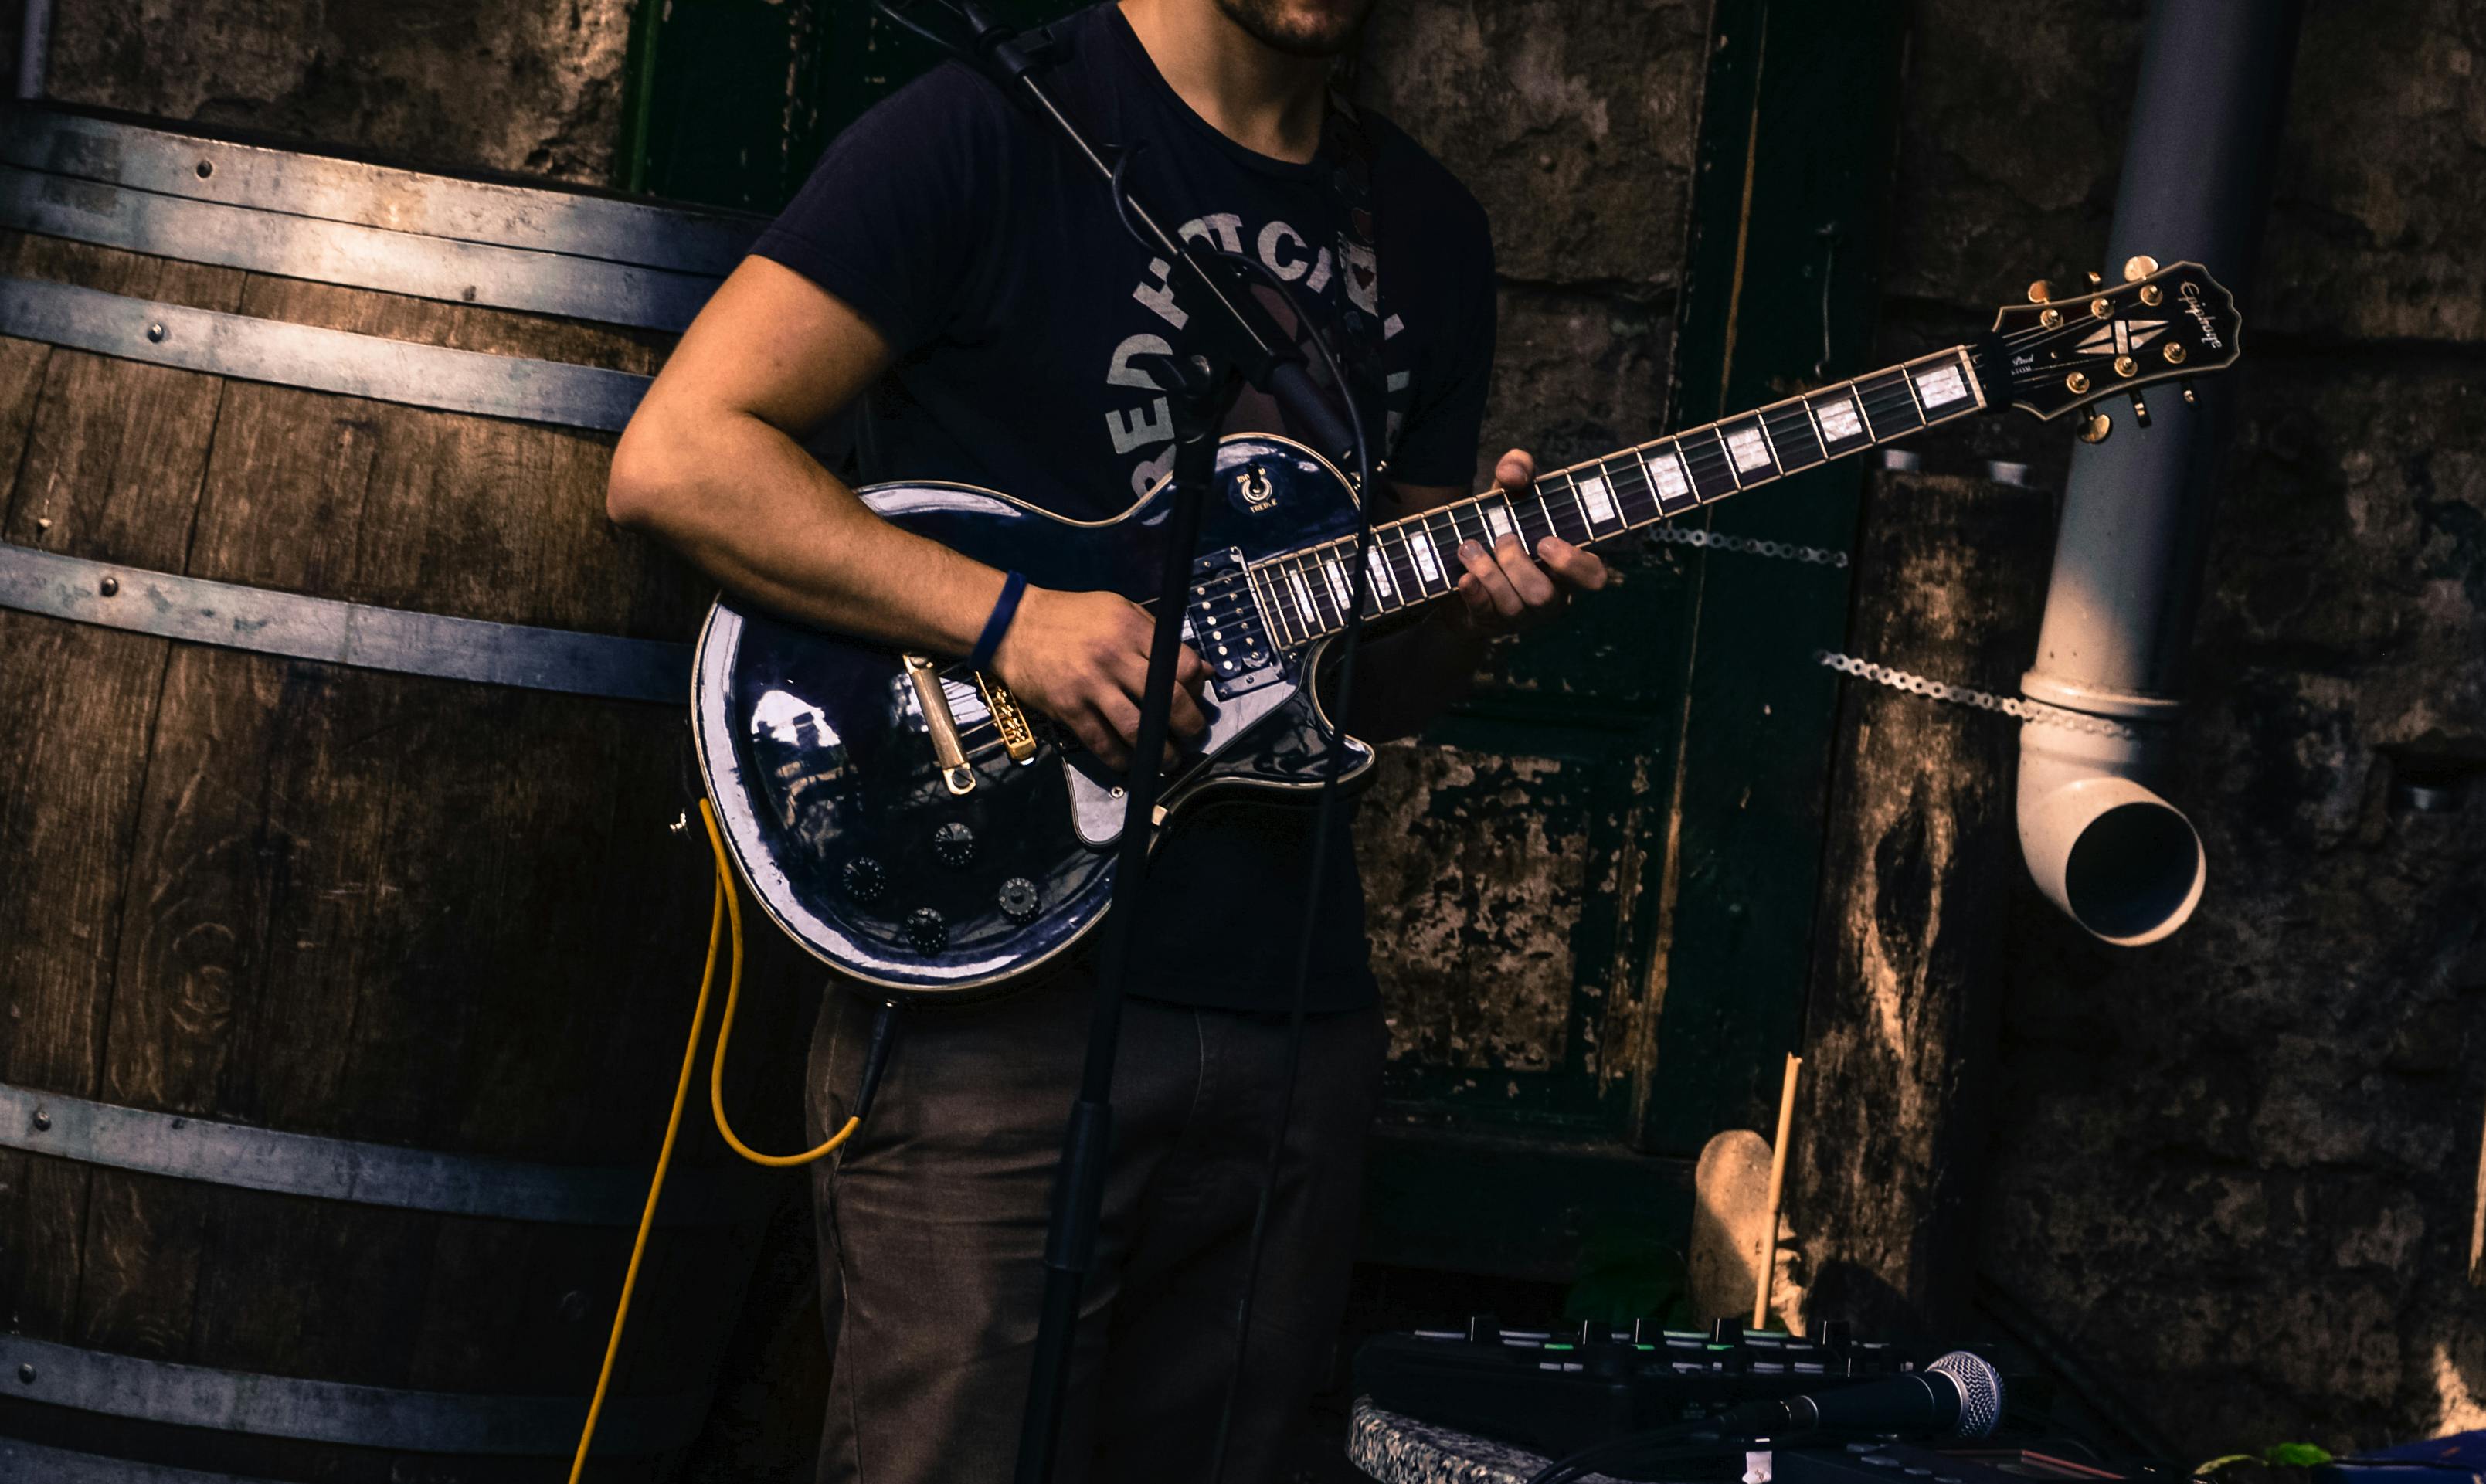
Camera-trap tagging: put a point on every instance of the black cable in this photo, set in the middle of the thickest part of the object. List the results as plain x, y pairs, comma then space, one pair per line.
1324, 826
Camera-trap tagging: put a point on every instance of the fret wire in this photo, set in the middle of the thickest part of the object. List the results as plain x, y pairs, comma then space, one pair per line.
1283, 602
1908, 380
1856, 398
1671, 450
1818, 436
1407, 543
1746, 478
1906, 401
1631, 486
1768, 443
1726, 454
1487, 505
1315, 591
1708, 459
1409, 578
1793, 423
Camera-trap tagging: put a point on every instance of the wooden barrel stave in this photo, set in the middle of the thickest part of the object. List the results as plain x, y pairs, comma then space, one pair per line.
293, 881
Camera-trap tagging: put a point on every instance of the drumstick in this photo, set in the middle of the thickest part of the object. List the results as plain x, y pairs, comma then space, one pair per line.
1778, 1184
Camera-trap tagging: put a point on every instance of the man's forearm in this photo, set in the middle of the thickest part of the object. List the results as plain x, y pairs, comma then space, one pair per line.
744, 502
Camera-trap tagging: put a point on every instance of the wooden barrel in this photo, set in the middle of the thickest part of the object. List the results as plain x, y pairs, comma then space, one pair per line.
347, 948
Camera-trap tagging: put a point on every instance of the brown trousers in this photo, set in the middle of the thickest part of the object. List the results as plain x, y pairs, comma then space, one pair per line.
933, 1225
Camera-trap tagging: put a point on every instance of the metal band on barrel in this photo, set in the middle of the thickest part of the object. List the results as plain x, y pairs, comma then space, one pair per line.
269, 1406
582, 225
367, 1174
236, 617
342, 253
61, 1466
318, 358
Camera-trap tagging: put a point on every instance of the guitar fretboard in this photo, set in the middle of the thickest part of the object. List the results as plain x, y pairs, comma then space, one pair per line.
1307, 593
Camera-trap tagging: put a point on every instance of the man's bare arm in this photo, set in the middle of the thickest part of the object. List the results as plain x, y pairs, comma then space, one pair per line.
711, 464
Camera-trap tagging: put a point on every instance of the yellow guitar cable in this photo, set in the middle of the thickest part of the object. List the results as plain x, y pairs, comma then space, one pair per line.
726, 911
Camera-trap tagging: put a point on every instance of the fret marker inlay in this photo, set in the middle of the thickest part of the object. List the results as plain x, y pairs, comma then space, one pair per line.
1838, 420
1421, 549
1940, 386
1665, 472
1496, 519
1749, 451
1600, 505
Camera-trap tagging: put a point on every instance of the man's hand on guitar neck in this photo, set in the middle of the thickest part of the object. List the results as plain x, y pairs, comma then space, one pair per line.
1418, 670
1505, 589
1083, 658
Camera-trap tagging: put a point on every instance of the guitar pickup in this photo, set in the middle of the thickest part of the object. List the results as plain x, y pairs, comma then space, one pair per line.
1018, 738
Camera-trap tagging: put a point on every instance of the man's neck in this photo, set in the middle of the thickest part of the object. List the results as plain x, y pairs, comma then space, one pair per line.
1264, 99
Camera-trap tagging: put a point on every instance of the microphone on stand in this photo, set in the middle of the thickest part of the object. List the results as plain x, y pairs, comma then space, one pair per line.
1958, 1396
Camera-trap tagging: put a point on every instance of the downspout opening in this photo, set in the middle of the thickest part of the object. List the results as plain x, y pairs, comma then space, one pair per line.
2135, 873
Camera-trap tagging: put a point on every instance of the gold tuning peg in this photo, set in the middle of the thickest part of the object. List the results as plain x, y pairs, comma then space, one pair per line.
2137, 266
2095, 427
2096, 278
2040, 292
2140, 410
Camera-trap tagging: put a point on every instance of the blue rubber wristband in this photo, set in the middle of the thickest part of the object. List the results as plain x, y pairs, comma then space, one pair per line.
1005, 609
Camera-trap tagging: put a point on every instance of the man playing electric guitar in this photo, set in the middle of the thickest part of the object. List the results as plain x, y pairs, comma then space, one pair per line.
950, 262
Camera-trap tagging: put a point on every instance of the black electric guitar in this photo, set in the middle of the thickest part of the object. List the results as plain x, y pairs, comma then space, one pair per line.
911, 825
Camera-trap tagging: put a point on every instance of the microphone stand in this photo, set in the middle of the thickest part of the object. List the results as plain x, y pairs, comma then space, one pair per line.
1243, 343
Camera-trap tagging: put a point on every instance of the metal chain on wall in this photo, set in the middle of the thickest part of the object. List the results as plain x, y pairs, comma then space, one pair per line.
1914, 684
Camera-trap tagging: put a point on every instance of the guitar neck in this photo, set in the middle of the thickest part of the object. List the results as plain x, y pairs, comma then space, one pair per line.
1307, 593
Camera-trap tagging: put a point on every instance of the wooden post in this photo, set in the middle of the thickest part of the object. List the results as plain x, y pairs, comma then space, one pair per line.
1919, 870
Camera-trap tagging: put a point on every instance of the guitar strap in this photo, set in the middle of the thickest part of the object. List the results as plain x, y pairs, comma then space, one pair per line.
1358, 345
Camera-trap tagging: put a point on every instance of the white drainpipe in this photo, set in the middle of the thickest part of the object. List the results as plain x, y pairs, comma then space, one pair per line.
2100, 841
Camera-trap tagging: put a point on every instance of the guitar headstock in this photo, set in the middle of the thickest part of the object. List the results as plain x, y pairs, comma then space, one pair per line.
2061, 352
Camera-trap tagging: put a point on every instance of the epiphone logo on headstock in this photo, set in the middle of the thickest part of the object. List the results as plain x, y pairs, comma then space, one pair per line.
2192, 292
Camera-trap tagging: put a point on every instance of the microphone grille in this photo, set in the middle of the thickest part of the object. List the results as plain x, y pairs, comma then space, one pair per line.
1980, 1391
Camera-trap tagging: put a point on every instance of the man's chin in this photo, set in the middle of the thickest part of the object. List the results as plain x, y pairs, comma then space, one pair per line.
1281, 26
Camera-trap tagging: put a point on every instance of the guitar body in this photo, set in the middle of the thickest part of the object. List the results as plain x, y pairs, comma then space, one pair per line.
818, 756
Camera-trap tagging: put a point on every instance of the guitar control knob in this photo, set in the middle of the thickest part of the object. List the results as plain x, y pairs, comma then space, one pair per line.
928, 930
864, 879
1018, 899
953, 846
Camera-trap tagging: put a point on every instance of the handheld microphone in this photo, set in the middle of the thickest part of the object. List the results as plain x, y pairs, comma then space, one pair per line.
1957, 1396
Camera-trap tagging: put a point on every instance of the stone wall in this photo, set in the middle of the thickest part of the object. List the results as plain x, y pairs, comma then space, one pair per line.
2236, 1173
521, 84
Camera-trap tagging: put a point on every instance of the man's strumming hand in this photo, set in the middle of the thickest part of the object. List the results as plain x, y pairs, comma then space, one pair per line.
1082, 658
1505, 589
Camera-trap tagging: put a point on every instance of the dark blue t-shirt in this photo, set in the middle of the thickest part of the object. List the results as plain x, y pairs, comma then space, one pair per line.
991, 262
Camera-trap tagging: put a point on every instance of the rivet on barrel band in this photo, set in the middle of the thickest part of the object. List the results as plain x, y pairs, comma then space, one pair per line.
318, 358
269, 1406
343, 1169
235, 617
